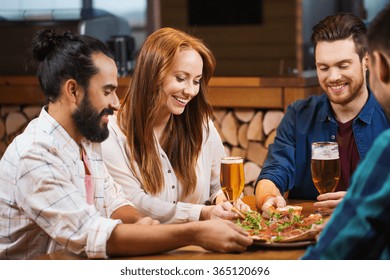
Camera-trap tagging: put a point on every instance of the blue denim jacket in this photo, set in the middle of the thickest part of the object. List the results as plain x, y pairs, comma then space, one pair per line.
307, 121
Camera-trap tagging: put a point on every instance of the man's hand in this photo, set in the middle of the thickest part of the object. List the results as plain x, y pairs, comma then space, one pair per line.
275, 201
327, 202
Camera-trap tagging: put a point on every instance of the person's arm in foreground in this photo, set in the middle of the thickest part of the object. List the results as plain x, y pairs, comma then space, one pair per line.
217, 235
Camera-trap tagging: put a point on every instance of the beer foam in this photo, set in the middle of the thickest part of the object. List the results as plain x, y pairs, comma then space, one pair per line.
322, 157
325, 151
231, 160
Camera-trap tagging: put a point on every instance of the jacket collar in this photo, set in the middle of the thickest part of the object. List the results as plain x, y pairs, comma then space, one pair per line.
365, 115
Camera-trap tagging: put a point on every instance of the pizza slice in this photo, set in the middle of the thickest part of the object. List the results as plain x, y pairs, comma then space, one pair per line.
286, 211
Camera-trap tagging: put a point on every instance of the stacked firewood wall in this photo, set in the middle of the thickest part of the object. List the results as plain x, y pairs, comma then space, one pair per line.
247, 133
13, 120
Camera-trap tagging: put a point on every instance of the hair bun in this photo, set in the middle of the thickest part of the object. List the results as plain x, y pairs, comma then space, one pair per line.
44, 42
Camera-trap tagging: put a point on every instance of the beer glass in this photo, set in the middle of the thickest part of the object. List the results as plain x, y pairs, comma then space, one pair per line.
325, 166
232, 177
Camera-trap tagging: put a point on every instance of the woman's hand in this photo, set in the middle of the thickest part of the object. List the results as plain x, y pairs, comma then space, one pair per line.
147, 221
241, 206
220, 211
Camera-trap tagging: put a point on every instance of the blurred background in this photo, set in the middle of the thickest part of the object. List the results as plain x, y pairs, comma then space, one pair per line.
248, 37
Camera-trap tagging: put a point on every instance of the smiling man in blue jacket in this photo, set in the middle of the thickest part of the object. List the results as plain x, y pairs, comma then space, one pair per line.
347, 114
360, 225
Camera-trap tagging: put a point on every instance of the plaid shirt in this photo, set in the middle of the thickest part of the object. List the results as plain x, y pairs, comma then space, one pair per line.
43, 199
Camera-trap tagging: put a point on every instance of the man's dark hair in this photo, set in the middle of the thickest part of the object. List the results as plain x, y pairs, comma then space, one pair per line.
379, 32
340, 27
62, 57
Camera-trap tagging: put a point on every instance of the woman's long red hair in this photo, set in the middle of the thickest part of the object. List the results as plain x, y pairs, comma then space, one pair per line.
183, 135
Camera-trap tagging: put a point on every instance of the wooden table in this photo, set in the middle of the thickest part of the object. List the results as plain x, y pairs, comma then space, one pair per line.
254, 252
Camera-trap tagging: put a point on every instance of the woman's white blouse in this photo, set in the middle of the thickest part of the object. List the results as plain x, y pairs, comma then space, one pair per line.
166, 206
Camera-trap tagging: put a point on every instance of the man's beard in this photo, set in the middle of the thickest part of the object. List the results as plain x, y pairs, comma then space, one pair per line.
89, 122
356, 89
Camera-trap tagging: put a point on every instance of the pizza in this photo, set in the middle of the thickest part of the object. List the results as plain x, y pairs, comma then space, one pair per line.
285, 224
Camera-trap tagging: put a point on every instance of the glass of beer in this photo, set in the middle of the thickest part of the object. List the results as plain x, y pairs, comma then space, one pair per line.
325, 166
232, 177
